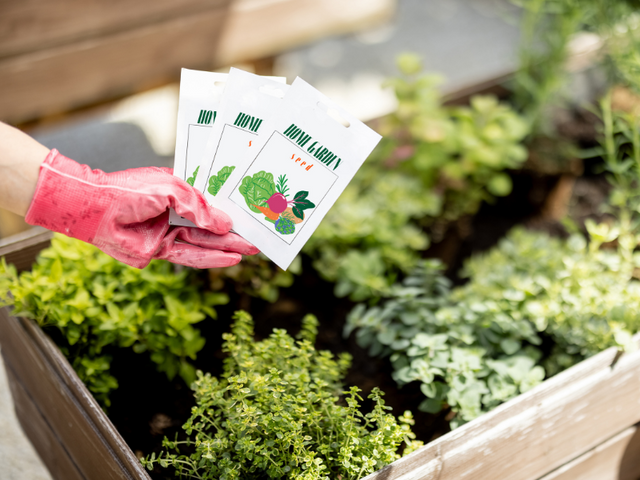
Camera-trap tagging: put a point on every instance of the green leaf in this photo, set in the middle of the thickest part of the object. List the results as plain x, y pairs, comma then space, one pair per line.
500, 185
301, 195
217, 181
191, 180
510, 346
409, 63
257, 189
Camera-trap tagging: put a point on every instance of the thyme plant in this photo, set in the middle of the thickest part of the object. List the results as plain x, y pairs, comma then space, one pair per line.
279, 410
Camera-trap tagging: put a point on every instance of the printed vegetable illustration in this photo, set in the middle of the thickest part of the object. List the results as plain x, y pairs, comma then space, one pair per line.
278, 203
257, 189
282, 185
270, 214
264, 196
217, 181
285, 226
289, 214
191, 180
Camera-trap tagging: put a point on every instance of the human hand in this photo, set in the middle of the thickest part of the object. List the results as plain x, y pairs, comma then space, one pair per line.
125, 214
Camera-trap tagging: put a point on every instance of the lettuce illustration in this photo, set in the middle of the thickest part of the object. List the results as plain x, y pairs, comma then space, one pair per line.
217, 181
257, 189
191, 180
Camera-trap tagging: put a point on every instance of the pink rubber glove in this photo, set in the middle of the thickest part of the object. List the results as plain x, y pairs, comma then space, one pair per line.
125, 214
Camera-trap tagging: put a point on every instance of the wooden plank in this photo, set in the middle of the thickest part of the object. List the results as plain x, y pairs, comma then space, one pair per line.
116, 64
68, 77
604, 461
86, 402
538, 431
51, 451
22, 248
69, 420
33, 25
630, 463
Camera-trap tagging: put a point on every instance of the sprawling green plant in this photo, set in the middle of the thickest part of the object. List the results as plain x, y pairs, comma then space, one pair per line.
96, 301
478, 345
548, 26
434, 164
275, 413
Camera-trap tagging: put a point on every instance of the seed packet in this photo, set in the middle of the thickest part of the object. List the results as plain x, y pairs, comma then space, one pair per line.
278, 197
199, 99
247, 102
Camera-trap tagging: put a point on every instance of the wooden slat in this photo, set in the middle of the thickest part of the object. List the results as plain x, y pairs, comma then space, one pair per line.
71, 76
85, 400
39, 432
630, 463
22, 248
33, 25
98, 68
67, 416
538, 431
603, 462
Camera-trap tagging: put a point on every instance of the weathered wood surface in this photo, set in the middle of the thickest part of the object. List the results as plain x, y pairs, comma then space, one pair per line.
605, 462
50, 448
115, 56
33, 25
22, 249
538, 431
66, 406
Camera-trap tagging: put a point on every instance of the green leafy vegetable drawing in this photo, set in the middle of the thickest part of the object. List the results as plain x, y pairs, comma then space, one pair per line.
257, 189
300, 203
191, 180
217, 181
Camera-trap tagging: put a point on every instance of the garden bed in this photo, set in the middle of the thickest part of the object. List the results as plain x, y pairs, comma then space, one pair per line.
583, 416
577, 420
580, 421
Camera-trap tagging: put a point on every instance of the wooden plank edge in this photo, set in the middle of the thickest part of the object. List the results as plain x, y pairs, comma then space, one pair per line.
48, 446
33, 236
604, 462
84, 397
68, 419
429, 461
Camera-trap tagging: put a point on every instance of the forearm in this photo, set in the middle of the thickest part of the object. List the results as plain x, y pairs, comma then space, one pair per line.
20, 159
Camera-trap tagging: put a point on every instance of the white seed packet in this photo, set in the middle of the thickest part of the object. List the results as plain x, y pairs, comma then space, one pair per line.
200, 94
247, 102
280, 195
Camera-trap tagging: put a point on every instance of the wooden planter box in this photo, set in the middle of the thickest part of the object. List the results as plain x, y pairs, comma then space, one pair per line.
57, 55
579, 425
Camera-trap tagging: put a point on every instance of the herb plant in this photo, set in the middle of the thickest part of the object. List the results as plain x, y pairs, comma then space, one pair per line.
549, 26
97, 302
476, 346
275, 413
435, 164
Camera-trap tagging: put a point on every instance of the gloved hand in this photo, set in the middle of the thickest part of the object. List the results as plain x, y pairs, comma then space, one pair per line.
125, 214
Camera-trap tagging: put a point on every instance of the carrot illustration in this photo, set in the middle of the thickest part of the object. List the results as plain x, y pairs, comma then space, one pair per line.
270, 214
